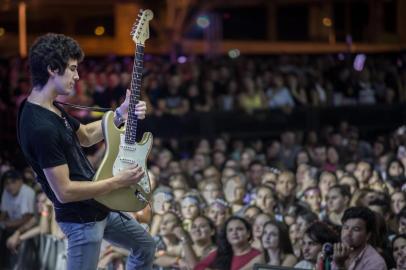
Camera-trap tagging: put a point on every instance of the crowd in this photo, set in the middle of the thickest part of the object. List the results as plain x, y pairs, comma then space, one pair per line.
299, 200
245, 83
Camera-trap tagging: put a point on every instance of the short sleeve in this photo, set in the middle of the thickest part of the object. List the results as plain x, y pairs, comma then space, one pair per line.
48, 148
27, 201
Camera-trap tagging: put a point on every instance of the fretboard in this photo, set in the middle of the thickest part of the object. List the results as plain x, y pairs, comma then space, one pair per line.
131, 125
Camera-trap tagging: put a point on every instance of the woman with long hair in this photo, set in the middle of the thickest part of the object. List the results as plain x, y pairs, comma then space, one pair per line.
277, 247
234, 249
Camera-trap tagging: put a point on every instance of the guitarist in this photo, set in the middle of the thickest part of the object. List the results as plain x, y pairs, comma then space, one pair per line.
51, 141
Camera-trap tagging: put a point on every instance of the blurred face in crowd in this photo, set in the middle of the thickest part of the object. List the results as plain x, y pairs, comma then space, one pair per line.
237, 233
234, 191
211, 174
190, 208
174, 167
350, 167
256, 172
13, 186
163, 159
218, 214
168, 224
286, 184
354, 233
114, 80
270, 179
265, 200
336, 203
395, 169
332, 155
302, 158
250, 213
246, 159
398, 202
270, 237
220, 145
305, 176
398, 246
178, 185
273, 150
402, 225
320, 155
349, 181
200, 230
218, 159
294, 233
310, 248
258, 226
231, 163
368, 198
363, 172
302, 225
226, 174
199, 162
313, 198
211, 191
327, 180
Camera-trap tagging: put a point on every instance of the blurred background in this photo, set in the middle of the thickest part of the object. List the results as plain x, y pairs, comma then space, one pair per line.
242, 93
327, 54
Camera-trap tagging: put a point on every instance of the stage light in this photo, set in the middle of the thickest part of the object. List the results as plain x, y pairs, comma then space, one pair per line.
203, 21
327, 22
182, 59
234, 53
2, 31
99, 30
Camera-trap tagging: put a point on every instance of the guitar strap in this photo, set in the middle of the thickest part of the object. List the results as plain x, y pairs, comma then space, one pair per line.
81, 107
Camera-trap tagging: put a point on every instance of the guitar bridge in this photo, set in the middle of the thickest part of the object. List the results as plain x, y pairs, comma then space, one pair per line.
140, 196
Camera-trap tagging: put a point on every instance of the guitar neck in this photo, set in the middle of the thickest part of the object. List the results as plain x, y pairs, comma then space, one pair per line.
132, 120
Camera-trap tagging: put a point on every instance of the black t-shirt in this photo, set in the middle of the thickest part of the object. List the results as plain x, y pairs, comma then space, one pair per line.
48, 140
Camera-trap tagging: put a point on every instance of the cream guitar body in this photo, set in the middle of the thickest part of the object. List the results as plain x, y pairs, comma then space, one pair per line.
119, 155
122, 149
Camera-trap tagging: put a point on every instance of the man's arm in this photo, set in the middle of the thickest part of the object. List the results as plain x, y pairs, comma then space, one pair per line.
16, 223
90, 134
71, 191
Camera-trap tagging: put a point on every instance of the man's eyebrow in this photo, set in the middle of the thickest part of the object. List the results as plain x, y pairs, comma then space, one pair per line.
75, 66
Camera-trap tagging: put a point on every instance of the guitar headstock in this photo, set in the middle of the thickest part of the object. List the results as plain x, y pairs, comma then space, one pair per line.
140, 30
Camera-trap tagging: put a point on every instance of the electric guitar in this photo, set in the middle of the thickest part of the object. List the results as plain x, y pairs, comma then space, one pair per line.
122, 150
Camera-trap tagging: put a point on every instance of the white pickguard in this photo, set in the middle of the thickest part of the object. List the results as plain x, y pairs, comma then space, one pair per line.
129, 155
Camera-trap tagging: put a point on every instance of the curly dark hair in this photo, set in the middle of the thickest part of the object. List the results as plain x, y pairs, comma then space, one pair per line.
225, 252
322, 233
53, 51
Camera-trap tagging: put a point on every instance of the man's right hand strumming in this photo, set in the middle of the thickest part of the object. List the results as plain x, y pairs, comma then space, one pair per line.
130, 176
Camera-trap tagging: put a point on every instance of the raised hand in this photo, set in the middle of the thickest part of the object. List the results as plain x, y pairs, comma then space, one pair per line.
341, 253
140, 107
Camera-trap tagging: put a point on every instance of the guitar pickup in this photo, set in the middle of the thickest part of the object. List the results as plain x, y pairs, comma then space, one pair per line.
127, 160
127, 147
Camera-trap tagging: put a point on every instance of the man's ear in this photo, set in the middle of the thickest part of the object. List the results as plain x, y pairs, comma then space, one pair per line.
52, 72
